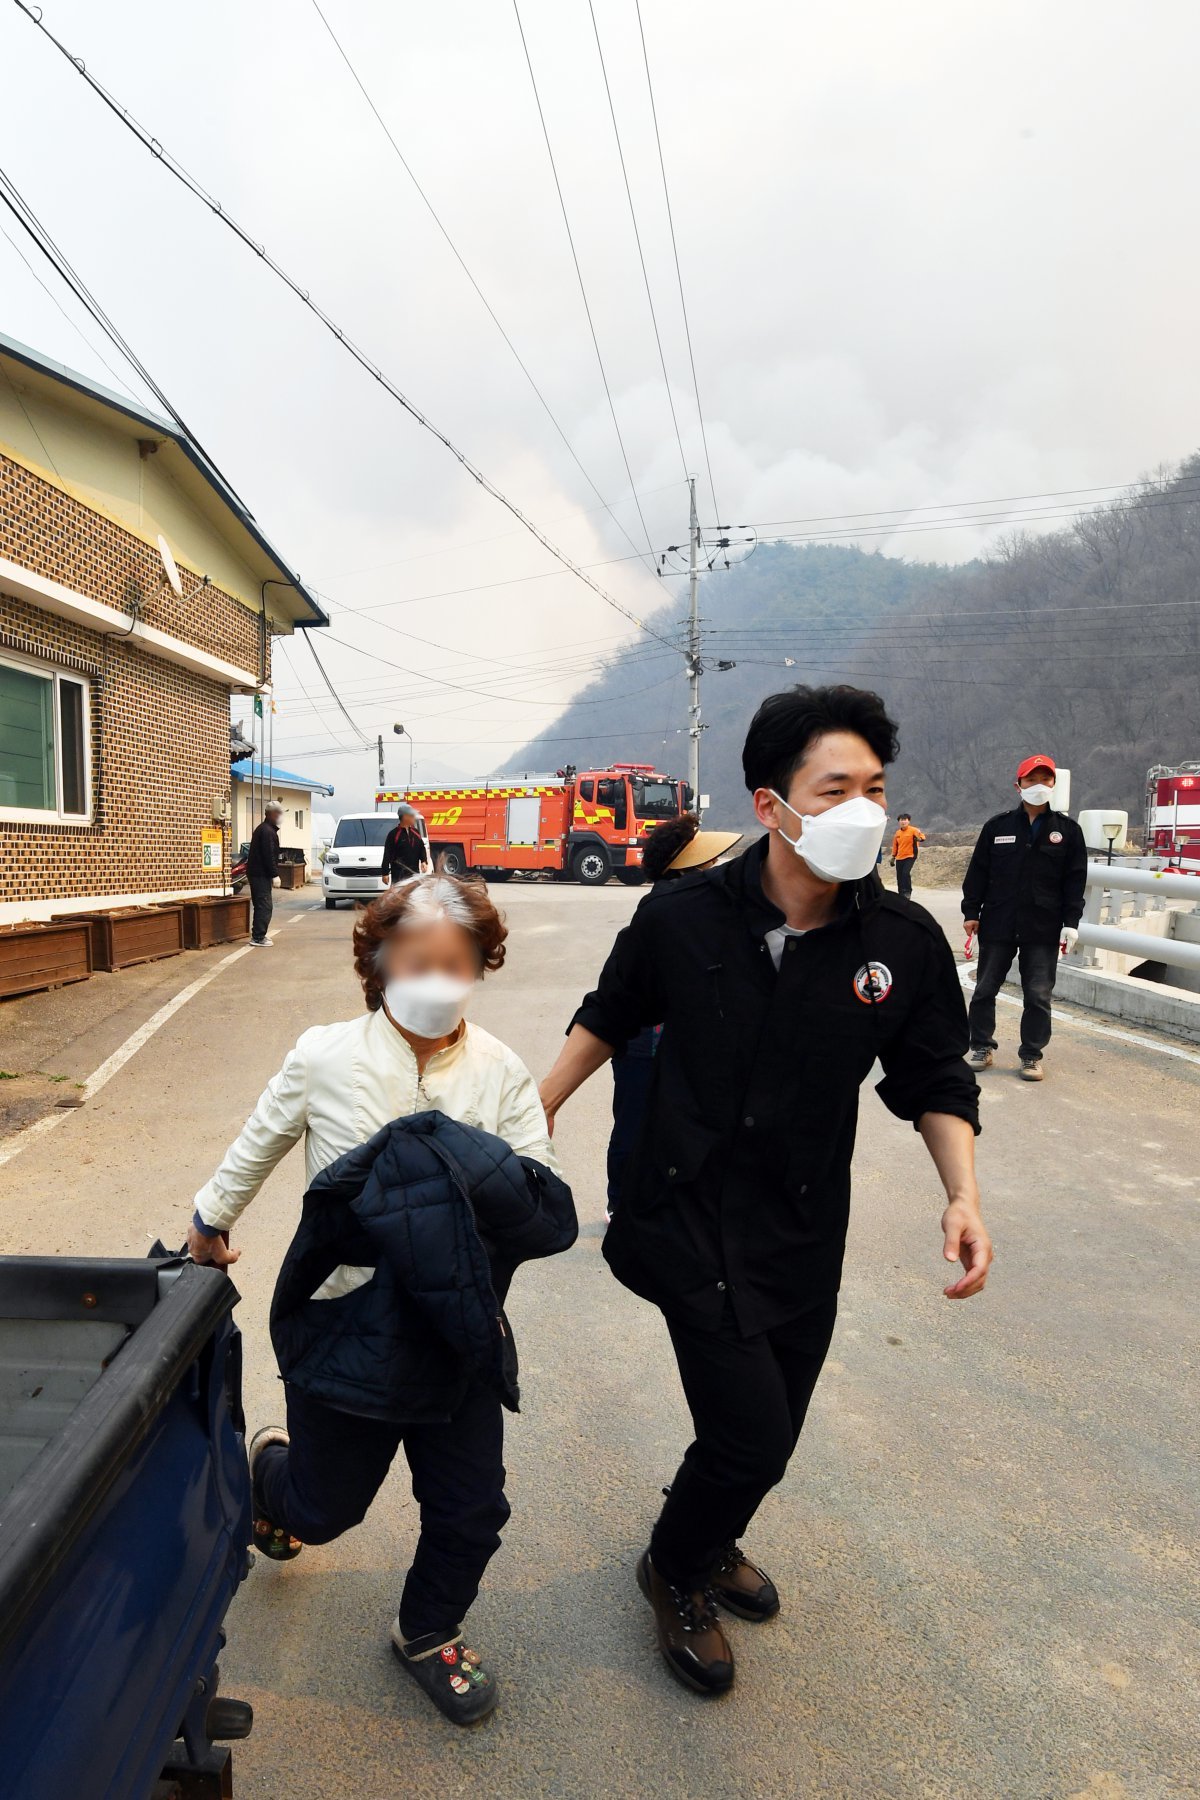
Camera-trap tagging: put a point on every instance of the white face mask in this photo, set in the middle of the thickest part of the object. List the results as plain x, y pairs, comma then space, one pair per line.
1038, 795
842, 843
430, 1006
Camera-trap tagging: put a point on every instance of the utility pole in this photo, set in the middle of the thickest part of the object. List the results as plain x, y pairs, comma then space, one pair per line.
379, 747
693, 649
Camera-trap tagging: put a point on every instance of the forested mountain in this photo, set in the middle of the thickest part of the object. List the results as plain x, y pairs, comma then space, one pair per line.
1084, 642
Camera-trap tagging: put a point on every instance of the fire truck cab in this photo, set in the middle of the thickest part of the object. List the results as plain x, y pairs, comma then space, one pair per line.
585, 824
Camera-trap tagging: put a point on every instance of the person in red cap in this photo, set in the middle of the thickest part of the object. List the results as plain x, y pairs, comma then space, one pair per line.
1023, 893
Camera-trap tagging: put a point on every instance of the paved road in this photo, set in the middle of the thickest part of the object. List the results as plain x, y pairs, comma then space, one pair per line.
987, 1543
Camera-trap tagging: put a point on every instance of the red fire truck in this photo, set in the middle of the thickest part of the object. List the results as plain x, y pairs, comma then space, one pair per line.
584, 824
1173, 815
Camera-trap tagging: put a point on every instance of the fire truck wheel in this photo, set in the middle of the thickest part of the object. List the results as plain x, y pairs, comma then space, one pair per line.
452, 860
591, 866
631, 877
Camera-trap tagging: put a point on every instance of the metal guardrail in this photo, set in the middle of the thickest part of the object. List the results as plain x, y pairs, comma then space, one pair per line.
1139, 944
1106, 881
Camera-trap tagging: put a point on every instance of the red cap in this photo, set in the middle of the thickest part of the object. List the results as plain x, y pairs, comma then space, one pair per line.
1036, 762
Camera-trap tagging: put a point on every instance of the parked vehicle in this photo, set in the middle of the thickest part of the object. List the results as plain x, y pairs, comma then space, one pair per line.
124, 1525
353, 866
585, 825
237, 873
1172, 826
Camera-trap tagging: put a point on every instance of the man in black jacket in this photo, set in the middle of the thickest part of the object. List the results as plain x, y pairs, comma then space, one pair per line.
1023, 894
404, 848
262, 872
779, 977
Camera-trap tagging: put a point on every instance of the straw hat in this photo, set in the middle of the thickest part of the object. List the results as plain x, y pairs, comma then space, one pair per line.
704, 848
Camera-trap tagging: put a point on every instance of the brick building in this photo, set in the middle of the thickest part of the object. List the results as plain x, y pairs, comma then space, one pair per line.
137, 594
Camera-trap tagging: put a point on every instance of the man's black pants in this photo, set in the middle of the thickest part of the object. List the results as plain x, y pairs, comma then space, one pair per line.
904, 869
1038, 966
261, 893
748, 1398
323, 1483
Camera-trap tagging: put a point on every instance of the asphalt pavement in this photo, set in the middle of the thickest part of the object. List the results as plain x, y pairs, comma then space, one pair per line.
986, 1544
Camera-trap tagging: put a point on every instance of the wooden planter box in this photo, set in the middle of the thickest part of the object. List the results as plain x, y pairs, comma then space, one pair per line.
135, 934
39, 955
217, 919
291, 875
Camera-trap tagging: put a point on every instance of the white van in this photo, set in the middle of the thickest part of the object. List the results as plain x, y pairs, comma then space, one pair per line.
353, 866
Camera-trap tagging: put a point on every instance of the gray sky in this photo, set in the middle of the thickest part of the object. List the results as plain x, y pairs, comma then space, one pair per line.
933, 252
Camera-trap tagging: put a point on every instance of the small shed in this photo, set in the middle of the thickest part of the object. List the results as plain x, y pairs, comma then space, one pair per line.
254, 783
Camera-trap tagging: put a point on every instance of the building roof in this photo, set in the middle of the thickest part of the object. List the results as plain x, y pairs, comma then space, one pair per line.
189, 465
272, 776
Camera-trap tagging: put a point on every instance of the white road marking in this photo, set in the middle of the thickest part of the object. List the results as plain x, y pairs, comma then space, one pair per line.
966, 976
113, 1064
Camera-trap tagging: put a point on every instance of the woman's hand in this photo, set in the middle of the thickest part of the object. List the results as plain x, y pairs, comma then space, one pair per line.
205, 1249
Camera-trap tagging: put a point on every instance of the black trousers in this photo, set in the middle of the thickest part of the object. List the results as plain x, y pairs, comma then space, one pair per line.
322, 1484
904, 869
748, 1398
1038, 966
261, 893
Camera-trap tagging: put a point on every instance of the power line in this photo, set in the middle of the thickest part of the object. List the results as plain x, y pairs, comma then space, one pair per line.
316, 710
494, 537
876, 512
177, 169
987, 521
54, 299
458, 257
612, 111
675, 252
579, 275
308, 638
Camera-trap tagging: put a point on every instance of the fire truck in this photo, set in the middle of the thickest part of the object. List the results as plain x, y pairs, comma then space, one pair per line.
1173, 815
584, 825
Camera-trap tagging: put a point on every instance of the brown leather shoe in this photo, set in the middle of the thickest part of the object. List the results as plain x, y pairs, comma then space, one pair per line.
693, 1646
741, 1587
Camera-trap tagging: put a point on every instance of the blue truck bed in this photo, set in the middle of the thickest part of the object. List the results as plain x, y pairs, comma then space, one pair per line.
124, 1522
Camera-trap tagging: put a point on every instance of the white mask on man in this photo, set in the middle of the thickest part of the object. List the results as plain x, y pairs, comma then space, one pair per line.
842, 843
1038, 795
430, 1006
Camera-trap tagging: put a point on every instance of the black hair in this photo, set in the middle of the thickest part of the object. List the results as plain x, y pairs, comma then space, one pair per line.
902, 814
786, 724
666, 841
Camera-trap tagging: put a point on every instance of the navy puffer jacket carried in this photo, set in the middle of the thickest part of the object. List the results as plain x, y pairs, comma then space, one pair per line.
445, 1213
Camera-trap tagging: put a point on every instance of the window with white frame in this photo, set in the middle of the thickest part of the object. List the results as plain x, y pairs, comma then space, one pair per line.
45, 752
298, 815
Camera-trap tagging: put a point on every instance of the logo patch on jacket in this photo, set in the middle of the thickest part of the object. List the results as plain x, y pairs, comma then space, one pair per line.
873, 983
1056, 837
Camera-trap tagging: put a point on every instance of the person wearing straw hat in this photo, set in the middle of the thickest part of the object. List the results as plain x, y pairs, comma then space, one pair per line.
678, 847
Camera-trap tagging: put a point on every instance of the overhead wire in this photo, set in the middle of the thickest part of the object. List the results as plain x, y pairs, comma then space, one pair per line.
175, 168
612, 112
687, 329
73, 323
458, 257
579, 276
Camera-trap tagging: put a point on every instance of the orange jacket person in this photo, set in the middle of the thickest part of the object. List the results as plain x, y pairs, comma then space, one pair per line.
904, 852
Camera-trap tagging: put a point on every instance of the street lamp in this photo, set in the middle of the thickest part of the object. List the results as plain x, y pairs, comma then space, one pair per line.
400, 732
1112, 831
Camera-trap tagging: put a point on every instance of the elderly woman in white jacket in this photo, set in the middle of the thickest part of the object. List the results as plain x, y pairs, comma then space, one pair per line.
419, 950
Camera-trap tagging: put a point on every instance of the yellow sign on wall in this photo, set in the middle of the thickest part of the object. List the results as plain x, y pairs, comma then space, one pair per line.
211, 845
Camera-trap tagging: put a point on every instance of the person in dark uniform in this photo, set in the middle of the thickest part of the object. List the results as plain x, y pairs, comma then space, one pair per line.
1023, 893
262, 873
674, 848
404, 848
779, 978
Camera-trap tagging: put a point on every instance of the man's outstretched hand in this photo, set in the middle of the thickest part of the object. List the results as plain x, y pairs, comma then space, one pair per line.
205, 1249
966, 1241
